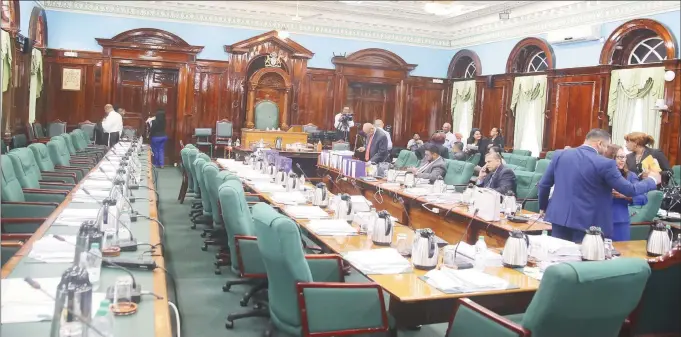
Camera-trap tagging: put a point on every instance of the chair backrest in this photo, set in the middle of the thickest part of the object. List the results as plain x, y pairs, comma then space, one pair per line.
542, 165
129, 132
19, 140
659, 310
223, 129
611, 288
676, 170
515, 168
38, 130
191, 158
458, 172
647, 212
184, 154
522, 152
89, 129
529, 163
549, 155
406, 158
25, 168
77, 140
284, 260
310, 128
203, 132
266, 115
42, 157
67, 141
210, 172
526, 188
10, 187
59, 154
201, 160
235, 213
474, 159
56, 128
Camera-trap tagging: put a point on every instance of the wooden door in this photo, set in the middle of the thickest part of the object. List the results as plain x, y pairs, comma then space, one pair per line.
143, 91
370, 102
576, 108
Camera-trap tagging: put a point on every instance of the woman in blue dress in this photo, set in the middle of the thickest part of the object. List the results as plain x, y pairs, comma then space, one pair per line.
620, 202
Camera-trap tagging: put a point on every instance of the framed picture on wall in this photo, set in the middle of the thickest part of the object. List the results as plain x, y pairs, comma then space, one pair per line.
70, 79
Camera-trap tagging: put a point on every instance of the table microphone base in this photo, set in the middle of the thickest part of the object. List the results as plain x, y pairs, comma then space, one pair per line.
128, 245
136, 293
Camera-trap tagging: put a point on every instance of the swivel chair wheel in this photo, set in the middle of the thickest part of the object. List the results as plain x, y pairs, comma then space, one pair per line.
243, 302
226, 287
218, 271
193, 226
203, 235
267, 333
204, 247
229, 325
257, 306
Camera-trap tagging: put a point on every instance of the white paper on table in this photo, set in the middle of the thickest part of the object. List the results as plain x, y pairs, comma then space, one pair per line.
288, 198
267, 187
95, 193
50, 250
555, 245
70, 214
224, 162
492, 259
93, 185
306, 212
379, 261
465, 279
360, 203
418, 191
332, 227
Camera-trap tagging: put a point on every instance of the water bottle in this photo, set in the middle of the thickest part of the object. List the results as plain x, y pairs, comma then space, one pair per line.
542, 247
92, 262
607, 243
373, 215
480, 253
104, 320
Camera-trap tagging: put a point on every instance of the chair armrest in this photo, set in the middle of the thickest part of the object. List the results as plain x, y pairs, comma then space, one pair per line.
38, 195
51, 185
44, 191
357, 308
15, 237
248, 257
11, 244
21, 226
326, 267
469, 317
642, 223
66, 177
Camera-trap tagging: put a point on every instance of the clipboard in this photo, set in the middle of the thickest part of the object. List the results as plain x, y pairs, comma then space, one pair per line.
650, 164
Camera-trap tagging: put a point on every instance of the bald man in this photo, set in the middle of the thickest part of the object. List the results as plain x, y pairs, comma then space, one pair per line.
112, 125
379, 125
376, 150
450, 138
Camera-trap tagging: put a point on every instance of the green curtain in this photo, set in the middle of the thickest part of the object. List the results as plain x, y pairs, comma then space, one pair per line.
463, 101
36, 82
529, 104
6, 57
632, 97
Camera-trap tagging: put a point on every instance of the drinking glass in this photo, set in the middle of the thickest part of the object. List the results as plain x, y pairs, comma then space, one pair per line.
122, 296
518, 208
403, 245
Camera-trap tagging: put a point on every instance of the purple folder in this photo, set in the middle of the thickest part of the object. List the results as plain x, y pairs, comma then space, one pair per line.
284, 163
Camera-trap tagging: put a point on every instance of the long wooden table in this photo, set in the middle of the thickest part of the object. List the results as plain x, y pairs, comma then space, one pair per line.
306, 159
414, 302
153, 316
449, 223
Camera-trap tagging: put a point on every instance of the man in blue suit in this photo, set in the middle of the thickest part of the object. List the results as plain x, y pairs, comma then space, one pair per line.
583, 182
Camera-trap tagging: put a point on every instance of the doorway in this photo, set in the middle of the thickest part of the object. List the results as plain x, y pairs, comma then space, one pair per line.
369, 102
141, 92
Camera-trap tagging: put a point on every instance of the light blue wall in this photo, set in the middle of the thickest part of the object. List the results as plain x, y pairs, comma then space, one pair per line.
25, 9
78, 32
493, 56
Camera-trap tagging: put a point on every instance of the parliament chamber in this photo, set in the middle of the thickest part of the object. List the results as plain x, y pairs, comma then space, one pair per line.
340, 168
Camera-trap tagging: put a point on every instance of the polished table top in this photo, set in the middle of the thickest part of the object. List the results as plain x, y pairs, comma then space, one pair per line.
152, 317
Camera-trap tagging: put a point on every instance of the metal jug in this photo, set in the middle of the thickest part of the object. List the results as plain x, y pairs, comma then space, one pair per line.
424, 250
321, 195
508, 206
292, 182
271, 170
409, 180
344, 208
659, 239
593, 247
382, 234
515, 250
280, 178
392, 174
75, 293
88, 233
439, 185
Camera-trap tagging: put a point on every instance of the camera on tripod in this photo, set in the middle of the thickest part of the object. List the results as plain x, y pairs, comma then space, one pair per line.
345, 118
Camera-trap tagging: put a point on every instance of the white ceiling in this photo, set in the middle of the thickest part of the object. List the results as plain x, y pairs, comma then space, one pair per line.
405, 22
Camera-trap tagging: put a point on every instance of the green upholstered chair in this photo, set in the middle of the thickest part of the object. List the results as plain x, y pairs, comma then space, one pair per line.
529, 163
549, 155
586, 299
676, 169
659, 310
24, 210
10, 245
474, 159
89, 129
526, 188
210, 171
458, 173
3, 147
515, 168
61, 157
542, 165
522, 152
406, 159
203, 136
266, 115
129, 132
187, 183
191, 157
55, 128
307, 294
29, 175
81, 145
45, 164
641, 217
74, 154
19, 141
206, 217
224, 131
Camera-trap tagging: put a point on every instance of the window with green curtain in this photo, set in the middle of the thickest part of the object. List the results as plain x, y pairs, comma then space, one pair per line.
529, 104
6, 57
36, 82
632, 97
463, 101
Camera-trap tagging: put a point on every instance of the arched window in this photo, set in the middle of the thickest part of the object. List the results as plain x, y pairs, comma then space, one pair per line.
530, 55
463, 68
464, 64
9, 12
639, 41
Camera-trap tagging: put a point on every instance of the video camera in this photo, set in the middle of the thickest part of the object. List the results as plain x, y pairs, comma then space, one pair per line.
345, 118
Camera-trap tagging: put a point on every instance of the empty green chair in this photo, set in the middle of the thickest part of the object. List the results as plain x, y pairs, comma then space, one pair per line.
549, 155
206, 217
45, 164
295, 290
522, 152
61, 157
187, 185
3, 147
10, 245
474, 159
406, 159
526, 189
19, 141
515, 168
641, 217
529, 163
542, 165
585, 299
28, 173
458, 173
72, 150
676, 169
80, 144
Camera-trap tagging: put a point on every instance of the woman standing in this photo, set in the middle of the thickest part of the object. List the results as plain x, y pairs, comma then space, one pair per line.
157, 133
620, 203
638, 143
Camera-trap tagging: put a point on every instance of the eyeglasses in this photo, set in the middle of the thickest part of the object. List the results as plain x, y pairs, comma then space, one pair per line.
621, 157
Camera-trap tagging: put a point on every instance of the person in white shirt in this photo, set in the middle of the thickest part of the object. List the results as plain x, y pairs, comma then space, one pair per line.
343, 129
112, 125
450, 138
379, 125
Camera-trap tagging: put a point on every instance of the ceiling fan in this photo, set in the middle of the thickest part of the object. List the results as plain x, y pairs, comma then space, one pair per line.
299, 18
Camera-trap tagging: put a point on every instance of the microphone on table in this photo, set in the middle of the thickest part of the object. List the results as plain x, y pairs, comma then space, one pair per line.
340, 190
303, 173
35, 285
464, 265
136, 288
400, 200
129, 245
519, 218
532, 224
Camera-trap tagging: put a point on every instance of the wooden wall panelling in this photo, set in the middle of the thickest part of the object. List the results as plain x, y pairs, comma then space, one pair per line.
427, 107
211, 94
316, 104
492, 105
670, 133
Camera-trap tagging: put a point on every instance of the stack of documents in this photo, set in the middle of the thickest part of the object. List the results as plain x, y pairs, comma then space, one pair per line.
443, 198
556, 247
228, 162
22, 304
379, 261
74, 217
287, 198
306, 212
95, 195
417, 191
93, 184
268, 187
464, 281
50, 250
331, 227
492, 259
254, 176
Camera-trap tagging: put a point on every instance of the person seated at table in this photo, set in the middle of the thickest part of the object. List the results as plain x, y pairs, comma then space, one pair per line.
457, 152
495, 176
438, 139
620, 203
432, 166
415, 142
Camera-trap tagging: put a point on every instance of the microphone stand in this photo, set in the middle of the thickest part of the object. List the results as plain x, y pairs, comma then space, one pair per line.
463, 237
518, 218
126, 246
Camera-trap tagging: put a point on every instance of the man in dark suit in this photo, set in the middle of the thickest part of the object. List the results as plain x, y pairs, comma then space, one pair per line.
432, 166
376, 150
583, 182
495, 175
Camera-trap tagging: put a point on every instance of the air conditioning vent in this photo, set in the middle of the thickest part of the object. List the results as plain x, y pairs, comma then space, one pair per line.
574, 34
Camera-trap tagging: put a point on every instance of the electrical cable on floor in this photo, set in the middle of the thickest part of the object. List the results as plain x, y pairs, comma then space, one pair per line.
177, 318
151, 189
